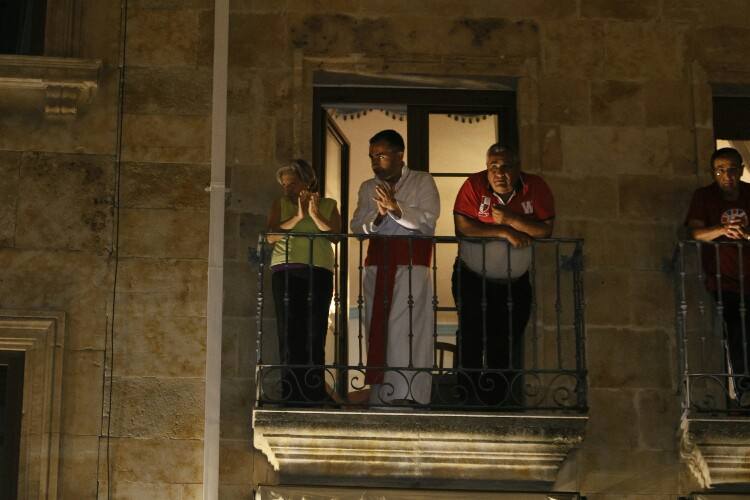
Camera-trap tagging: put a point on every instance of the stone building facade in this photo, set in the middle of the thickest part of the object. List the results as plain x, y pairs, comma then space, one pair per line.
104, 217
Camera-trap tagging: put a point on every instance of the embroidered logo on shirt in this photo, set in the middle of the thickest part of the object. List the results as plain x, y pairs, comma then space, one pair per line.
484, 207
528, 207
735, 214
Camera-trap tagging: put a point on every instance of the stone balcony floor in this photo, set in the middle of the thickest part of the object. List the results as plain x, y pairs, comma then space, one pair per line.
416, 448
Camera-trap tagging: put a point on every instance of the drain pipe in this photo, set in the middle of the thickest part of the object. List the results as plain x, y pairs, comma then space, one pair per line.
217, 191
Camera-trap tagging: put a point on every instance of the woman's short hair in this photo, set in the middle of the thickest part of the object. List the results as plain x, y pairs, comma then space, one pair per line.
302, 170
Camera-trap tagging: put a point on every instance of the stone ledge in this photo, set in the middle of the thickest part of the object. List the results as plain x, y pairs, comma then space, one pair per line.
427, 448
67, 83
716, 450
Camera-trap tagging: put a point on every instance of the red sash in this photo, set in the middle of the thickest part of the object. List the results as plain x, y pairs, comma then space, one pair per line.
386, 254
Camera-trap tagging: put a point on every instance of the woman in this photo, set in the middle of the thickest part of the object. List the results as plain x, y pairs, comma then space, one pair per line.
302, 287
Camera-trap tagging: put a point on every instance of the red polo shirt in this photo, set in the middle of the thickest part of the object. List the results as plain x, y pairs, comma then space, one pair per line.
476, 198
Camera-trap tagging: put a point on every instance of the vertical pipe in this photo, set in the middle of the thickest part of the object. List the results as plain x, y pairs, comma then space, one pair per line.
410, 304
558, 304
681, 328
214, 310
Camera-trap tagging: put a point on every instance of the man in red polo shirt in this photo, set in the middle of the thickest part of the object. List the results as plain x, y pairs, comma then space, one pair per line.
719, 212
490, 279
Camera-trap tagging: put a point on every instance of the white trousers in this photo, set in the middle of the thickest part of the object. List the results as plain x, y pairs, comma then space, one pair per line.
404, 384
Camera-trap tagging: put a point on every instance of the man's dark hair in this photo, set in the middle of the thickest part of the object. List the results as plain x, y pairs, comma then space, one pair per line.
501, 149
730, 154
391, 137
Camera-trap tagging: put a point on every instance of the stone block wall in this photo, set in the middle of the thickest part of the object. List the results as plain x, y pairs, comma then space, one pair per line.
614, 110
59, 180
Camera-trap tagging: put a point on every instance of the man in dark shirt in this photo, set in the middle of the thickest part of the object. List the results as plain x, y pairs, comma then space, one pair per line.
719, 212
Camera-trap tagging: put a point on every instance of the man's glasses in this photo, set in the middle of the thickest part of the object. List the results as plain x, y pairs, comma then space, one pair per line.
731, 172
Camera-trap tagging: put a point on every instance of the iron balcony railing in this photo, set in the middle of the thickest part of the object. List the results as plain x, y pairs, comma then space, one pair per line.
712, 295
545, 370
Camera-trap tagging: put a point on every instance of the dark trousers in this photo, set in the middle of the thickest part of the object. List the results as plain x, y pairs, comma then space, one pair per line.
302, 324
498, 327
733, 322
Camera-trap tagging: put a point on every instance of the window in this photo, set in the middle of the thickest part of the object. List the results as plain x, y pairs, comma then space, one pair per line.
22, 26
732, 125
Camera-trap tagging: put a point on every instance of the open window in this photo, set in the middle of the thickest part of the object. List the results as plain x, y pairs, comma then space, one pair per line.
732, 123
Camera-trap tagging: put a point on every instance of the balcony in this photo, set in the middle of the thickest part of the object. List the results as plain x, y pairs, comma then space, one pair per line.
712, 332
505, 416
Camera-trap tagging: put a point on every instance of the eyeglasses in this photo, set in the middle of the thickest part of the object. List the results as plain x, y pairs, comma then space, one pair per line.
731, 171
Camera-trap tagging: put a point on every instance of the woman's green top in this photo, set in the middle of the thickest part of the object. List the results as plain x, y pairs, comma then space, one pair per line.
299, 247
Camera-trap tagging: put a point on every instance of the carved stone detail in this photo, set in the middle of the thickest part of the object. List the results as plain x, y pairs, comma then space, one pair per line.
716, 450
67, 83
436, 448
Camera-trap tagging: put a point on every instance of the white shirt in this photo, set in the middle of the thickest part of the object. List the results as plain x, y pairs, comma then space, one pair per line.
416, 195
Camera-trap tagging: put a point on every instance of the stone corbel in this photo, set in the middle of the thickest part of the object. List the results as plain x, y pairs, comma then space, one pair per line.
67, 83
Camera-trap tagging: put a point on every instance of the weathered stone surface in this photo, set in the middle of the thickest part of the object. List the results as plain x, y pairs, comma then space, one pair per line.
617, 103
160, 346
176, 90
621, 9
259, 41
65, 202
254, 188
240, 284
172, 4
206, 38
45, 280
237, 397
644, 50
609, 469
126, 490
604, 288
573, 49
564, 101
619, 358
716, 449
154, 185
551, 149
590, 197
623, 245
668, 103
648, 306
162, 37
722, 57
236, 461
172, 461
181, 234
718, 12
658, 416
82, 392
611, 150
9, 180
642, 198
158, 407
253, 141
239, 348
162, 287
682, 144
431, 446
607, 407
78, 466
166, 138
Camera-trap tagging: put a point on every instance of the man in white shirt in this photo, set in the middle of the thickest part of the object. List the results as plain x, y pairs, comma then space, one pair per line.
399, 318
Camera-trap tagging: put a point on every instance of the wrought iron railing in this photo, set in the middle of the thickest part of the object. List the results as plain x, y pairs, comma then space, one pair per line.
712, 294
545, 370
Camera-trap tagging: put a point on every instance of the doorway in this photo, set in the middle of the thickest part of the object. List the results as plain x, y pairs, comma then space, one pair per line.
447, 133
11, 400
